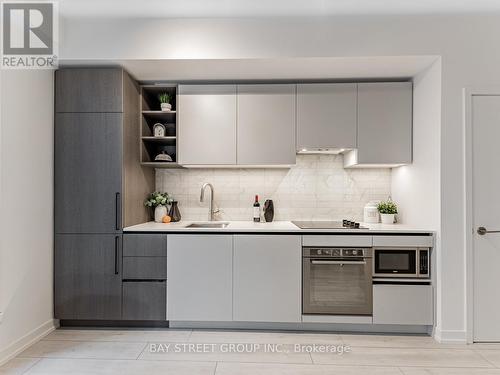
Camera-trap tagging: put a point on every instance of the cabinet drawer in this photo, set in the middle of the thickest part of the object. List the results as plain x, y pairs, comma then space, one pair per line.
144, 245
403, 304
337, 240
144, 300
145, 268
404, 241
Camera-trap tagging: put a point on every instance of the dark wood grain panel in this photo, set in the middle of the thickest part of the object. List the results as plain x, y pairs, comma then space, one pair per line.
147, 245
144, 300
87, 276
88, 172
144, 268
89, 90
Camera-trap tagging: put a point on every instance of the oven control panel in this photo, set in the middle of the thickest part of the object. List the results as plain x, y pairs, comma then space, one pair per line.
335, 252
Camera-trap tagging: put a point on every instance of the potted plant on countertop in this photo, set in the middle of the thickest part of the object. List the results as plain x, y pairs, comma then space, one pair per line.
387, 211
165, 99
158, 201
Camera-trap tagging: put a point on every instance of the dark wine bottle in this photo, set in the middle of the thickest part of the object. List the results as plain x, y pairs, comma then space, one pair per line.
256, 210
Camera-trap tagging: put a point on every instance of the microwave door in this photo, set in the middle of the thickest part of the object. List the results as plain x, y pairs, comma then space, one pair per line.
395, 262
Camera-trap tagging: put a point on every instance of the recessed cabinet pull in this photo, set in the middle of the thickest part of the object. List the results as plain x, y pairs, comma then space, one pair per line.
117, 245
117, 211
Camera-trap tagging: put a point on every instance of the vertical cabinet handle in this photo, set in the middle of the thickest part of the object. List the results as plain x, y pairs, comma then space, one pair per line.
117, 211
117, 253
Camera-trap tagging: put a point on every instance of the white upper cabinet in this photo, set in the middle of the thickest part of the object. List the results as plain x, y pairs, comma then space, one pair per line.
326, 115
207, 124
266, 124
384, 125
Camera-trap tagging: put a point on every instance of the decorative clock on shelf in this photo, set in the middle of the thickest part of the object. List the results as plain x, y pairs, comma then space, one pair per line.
159, 130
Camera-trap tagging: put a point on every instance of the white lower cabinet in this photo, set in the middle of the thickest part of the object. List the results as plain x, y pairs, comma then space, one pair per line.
267, 278
403, 304
258, 278
199, 270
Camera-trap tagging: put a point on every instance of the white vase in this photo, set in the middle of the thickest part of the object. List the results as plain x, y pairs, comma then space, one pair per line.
387, 218
166, 107
160, 212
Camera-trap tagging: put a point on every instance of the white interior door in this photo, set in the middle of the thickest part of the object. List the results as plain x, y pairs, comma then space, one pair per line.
486, 213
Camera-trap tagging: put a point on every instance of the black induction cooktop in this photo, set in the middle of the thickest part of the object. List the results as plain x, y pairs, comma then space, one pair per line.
344, 224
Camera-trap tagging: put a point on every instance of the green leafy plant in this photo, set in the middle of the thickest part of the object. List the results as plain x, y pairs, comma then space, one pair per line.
388, 207
158, 199
165, 97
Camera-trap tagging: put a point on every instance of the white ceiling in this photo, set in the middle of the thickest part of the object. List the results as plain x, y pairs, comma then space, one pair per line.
320, 68
264, 8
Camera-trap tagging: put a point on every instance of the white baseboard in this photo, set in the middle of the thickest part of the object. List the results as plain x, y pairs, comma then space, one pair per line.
27, 340
450, 337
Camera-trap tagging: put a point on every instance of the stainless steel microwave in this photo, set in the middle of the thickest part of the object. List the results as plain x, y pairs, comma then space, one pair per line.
408, 262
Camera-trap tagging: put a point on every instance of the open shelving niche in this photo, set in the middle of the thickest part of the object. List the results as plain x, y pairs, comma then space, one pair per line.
150, 115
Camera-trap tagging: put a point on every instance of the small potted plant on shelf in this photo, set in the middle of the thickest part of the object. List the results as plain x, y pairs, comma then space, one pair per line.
158, 201
165, 99
387, 211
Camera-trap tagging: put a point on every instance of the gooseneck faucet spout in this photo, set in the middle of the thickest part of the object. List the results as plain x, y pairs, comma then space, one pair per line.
211, 212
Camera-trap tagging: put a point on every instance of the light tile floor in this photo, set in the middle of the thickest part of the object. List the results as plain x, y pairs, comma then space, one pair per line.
200, 352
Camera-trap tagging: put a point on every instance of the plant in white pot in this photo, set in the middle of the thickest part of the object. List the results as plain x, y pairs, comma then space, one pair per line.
165, 99
387, 211
158, 201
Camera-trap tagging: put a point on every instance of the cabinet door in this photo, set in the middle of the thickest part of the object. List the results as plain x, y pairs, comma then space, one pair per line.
403, 304
199, 272
88, 172
87, 277
385, 123
266, 125
89, 90
267, 278
326, 115
207, 124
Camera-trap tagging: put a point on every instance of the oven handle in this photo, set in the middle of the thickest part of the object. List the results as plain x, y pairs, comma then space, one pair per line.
340, 262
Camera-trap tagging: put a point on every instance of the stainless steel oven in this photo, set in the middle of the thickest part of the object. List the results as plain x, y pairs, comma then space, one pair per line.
412, 262
337, 281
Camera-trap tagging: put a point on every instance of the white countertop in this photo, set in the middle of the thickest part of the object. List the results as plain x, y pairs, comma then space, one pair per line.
273, 227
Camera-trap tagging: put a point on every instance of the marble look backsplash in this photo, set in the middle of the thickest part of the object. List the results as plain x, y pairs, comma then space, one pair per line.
317, 187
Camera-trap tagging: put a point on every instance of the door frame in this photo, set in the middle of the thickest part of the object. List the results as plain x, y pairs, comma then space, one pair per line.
469, 225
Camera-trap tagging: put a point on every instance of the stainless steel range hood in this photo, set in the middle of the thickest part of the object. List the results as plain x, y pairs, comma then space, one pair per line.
327, 151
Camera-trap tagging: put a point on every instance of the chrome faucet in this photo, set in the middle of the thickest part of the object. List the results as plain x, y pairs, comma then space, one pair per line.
211, 212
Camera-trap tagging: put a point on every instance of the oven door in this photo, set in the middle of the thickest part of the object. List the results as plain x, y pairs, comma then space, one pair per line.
332, 287
392, 262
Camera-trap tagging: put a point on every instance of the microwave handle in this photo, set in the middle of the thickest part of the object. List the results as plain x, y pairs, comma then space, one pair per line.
340, 262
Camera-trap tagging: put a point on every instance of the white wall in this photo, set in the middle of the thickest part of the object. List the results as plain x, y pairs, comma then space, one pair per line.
26, 177
417, 187
470, 55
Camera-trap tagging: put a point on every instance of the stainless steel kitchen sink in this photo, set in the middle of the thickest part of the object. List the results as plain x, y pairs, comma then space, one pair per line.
208, 225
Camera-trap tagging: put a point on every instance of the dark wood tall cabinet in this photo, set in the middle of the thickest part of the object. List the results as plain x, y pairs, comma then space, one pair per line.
99, 188
89, 174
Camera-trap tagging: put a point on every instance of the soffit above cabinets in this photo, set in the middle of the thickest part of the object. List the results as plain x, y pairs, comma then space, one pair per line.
273, 8
321, 69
